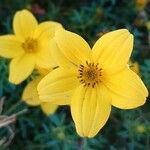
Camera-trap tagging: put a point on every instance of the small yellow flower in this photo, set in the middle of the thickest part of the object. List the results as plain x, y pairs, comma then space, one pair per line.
134, 67
148, 25
31, 97
140, 4
60, 133
29, 46
92, 80
141, 129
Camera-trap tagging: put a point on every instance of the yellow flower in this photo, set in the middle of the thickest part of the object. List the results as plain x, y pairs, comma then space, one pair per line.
141, 128
148, 25
92, 80
60, 133
134, 67
29, 46
31, 97
140, 4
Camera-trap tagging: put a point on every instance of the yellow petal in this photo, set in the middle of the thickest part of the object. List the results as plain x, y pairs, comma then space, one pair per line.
58, 56
10, 46
43, 71
127, 90
113, 50
90, 109
135, 67
48, 108
20, 68
46, 30
44, 33
24, 24
44, 59
73, 47
30, 94
57, 86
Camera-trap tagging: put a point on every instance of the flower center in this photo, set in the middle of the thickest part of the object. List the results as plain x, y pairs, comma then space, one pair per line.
30, 45
89, 75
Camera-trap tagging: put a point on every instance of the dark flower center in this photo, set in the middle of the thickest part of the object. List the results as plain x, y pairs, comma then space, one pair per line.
30, 45
89, 75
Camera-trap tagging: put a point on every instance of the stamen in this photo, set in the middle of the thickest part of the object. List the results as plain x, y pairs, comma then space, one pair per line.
90, 74
84, 85
30, 45
81, 66
93, 85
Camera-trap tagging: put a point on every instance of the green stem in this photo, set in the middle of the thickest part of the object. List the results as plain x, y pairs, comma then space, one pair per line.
85, 144
13, 107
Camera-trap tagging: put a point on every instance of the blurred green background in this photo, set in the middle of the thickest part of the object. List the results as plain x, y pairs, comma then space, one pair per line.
125, 129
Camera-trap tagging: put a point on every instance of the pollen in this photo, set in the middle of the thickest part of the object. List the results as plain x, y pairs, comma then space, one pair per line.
90, 74
30, 45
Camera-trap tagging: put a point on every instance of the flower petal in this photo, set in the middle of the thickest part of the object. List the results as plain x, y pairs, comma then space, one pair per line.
90, 108
127, 90
46, 30
21, 68
30, 94
24, 24
73, 47
48, 108
135, 67
43, 71
44, 59
10, 46
113, 50
44, 33
58, 56
57, 86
